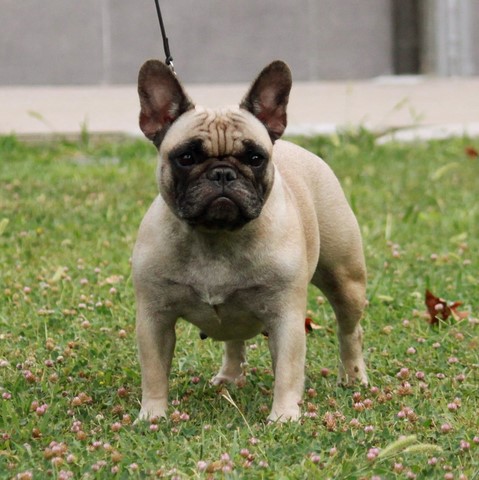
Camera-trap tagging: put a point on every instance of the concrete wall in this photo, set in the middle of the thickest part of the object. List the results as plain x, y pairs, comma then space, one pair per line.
105, 41
475, 37
52, 41
450, 37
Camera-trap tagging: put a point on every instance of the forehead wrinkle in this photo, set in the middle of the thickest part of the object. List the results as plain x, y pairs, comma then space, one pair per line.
220, 131
224, 131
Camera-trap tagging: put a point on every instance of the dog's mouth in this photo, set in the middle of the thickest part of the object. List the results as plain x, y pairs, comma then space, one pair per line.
223, 205
222, 211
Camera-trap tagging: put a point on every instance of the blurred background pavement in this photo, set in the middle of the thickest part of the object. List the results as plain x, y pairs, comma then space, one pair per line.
418, 107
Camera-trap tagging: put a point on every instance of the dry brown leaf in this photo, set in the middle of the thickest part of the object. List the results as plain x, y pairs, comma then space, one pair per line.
440, 309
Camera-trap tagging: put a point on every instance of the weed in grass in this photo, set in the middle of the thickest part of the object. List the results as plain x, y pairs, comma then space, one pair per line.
69, 376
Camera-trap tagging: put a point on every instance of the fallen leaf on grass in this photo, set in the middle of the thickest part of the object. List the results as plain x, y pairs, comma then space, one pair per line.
309, 325
438, 308
471, 152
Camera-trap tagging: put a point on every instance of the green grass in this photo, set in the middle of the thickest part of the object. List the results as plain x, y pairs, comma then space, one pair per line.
69, 213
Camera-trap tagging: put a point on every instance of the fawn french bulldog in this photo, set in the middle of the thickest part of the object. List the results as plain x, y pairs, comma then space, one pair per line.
243, 223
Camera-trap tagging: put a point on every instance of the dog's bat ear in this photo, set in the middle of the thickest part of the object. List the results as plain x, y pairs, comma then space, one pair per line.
162, 99
268, 96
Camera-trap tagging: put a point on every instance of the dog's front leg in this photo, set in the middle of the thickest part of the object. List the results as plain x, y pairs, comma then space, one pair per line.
287, 343
156, 343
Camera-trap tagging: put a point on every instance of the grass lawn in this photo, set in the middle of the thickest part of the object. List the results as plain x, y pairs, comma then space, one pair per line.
69, 375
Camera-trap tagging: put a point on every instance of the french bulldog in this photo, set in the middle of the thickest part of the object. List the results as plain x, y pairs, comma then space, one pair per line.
242, 224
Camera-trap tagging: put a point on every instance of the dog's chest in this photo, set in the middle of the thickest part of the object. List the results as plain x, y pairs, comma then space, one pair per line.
225, 313
213, 297
221, 302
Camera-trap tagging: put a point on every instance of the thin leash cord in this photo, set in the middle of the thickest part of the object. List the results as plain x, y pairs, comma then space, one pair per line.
166, 45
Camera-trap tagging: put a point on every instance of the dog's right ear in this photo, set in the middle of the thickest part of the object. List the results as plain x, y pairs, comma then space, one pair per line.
162, 99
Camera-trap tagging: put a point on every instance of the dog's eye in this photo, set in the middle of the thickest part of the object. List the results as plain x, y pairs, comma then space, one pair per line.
255, 160
186, 159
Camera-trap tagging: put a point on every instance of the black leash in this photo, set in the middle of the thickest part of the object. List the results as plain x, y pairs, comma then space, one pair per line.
166, 46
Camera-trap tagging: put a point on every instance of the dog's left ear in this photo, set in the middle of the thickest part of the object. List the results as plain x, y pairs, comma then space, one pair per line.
268, 97
162, 99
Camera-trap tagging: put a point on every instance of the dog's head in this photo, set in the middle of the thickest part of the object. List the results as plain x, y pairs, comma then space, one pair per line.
215, 168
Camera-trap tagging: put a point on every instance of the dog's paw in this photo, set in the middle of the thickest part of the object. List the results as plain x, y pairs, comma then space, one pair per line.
151, 410
230, 373
221, 379
353, 374
292, 414
145, 416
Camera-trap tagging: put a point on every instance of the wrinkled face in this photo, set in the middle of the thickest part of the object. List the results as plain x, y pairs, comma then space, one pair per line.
215, 171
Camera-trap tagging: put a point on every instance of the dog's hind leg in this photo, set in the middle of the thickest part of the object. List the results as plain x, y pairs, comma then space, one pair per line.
345, 288
233, 360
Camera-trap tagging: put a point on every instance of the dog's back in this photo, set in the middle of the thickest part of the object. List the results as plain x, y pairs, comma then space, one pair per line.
310, 179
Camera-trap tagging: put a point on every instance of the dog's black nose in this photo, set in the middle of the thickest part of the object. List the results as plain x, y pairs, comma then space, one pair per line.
222, 175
